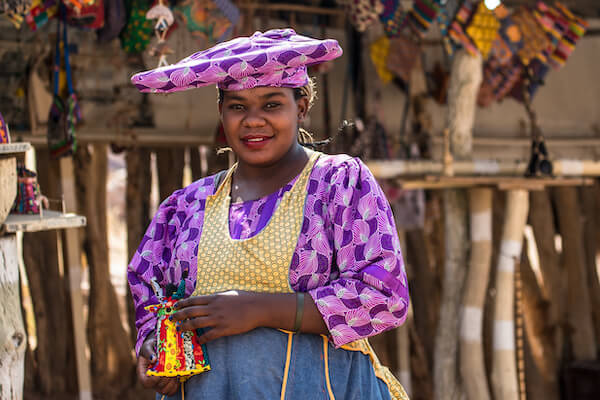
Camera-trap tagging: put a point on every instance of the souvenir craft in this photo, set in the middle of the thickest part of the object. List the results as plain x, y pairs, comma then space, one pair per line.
536, 40
379, 52
362, 13
115, 19
421, 15
164, 19
4, 132
41, 11
64, 114
138, 30
29, 199
391, 17
403, 54
482, 28
209, 20
178, 353
89, 16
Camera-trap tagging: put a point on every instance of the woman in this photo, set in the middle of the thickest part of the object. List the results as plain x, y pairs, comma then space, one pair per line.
290, 259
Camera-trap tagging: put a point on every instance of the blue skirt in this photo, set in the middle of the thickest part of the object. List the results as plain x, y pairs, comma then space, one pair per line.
256, 365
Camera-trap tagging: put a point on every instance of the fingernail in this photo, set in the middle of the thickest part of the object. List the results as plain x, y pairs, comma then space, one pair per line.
178, 328
171, 318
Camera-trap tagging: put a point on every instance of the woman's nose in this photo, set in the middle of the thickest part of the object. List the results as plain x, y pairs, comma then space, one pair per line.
254, 118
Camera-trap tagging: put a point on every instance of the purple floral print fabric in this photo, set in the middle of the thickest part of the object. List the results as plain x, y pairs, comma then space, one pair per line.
278, 57
347, 257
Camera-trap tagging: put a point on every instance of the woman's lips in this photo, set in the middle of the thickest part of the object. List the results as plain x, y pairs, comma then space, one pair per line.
256, 142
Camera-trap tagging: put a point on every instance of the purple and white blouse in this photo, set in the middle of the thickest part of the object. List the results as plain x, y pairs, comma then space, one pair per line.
347, 257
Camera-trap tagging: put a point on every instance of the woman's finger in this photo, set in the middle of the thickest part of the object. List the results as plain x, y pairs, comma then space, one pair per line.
193, 301
190, 312
171, 387
147, 351
195, 323
212, 334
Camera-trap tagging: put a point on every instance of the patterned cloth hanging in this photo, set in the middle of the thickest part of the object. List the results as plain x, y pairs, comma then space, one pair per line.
536, 40
392, 17
379, 51
362, 13
476, 27
210, 20
421, 15
41, 11
402, 57
28, 198
138, 30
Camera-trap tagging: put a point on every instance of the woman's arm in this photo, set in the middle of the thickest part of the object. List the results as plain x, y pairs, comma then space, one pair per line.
236, 312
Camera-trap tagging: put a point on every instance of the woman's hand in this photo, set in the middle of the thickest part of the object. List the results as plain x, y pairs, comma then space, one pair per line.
227, 313
162, 384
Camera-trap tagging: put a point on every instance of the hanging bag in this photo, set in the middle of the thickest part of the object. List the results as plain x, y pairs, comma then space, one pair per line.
64, 115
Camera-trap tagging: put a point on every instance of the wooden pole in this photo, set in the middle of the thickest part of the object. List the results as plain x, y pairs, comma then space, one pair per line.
588, 196
504, 371
579, 313
73, 260
13, 340
472, 365
464, 84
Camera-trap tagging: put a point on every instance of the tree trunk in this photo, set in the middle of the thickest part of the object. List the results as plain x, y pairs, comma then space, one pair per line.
169, 162
504, 371
137, 204
581, 330
540, 341
464, 84
589, 196
112, 364
13, 340
541, 218
472, 369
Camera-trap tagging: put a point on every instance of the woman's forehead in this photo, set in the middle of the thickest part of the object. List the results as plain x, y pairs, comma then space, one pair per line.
262, 92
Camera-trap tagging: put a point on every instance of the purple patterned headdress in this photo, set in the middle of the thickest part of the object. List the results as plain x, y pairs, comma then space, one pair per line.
278, 57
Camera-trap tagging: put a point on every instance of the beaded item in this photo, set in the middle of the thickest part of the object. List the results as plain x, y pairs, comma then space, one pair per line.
391, 17
4, 132
28, 192
178, 353
379, 51
421, 15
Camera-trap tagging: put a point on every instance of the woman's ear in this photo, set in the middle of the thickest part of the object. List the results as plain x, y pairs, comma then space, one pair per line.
302, 103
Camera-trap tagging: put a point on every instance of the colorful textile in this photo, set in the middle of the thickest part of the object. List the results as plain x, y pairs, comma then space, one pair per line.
278, 57
421, 15
89, 16
483, 29
535, 41
362, 13
41, 11
379, 52
347, 255
138, 30
210, 20
498, 80
4, 132
392, 17
403, 55
28, 192
178, 354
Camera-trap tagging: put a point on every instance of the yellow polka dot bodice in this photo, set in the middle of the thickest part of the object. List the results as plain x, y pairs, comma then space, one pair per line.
260, 263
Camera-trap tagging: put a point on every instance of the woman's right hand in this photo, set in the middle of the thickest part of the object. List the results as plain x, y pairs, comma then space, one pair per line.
162, 384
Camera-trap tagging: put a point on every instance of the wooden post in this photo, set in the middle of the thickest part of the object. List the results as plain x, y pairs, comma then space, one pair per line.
464, 84
13, 339
588, 196
472, 366
579, 313
169, 162
504, 370
73, 260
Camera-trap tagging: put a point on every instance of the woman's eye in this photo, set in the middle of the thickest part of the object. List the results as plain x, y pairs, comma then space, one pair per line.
236, 107
272, 105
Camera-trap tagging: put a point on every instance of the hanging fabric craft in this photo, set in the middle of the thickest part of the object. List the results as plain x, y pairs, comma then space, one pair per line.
179, 354
476, 27
391, 17
89, 16
536, 40
421, 15
15, 10
64, 115
209, 20
138, 31
4, 132
362, 13
115, 18
164, 19
41, 11
403, 54
379, 51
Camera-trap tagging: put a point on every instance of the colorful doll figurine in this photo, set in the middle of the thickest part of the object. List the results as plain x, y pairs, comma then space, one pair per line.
178, 353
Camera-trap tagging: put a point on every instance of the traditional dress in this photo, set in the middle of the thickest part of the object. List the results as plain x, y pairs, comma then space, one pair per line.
328, 232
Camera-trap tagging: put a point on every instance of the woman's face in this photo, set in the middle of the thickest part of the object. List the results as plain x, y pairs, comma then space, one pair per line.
261, 124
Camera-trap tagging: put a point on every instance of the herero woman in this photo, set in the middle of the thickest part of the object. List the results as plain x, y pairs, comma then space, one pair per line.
290, 259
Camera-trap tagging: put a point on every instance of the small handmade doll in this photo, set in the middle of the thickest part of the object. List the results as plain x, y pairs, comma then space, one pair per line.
178, 353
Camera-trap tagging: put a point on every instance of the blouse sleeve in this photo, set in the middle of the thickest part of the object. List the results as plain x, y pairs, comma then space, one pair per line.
151, 260
368, 291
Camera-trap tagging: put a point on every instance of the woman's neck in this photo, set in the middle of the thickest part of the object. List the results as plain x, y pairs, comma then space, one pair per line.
251, 181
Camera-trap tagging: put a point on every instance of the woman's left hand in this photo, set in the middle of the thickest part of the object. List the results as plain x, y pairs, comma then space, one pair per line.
226, 314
